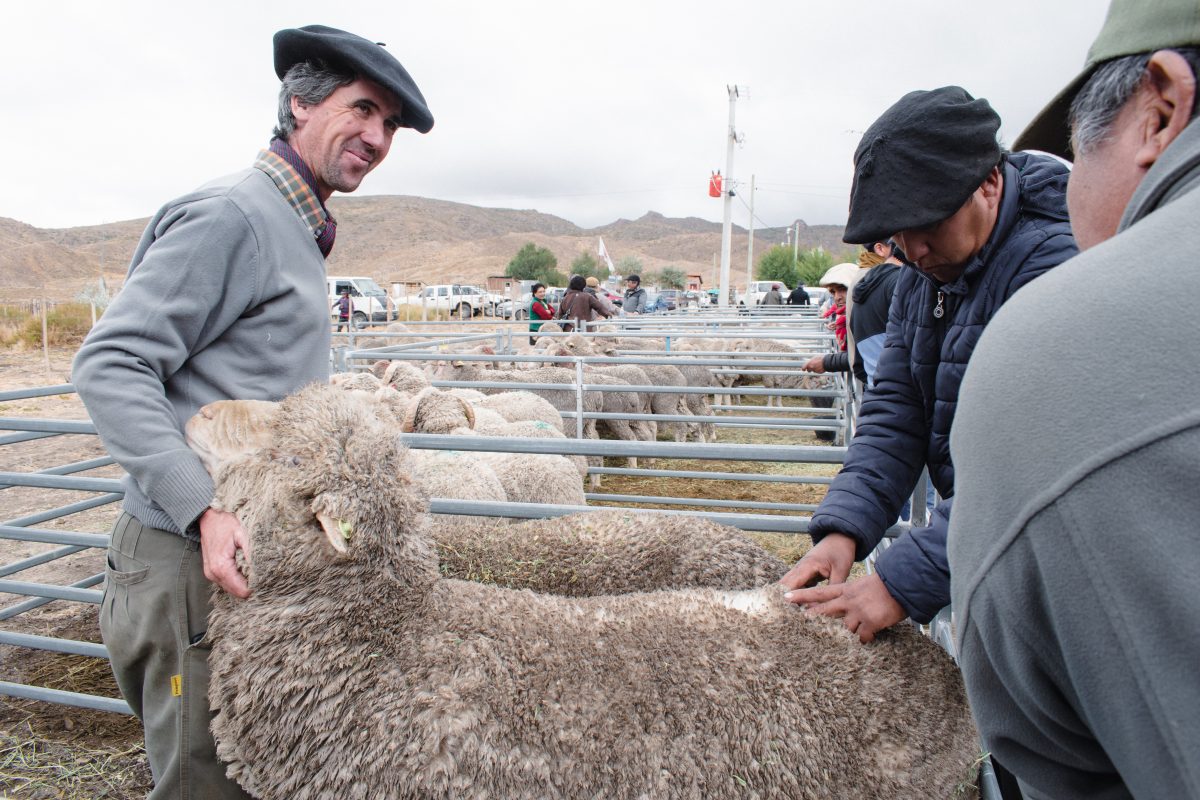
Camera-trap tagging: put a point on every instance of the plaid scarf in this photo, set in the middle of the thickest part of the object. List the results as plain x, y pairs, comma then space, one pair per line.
298, 186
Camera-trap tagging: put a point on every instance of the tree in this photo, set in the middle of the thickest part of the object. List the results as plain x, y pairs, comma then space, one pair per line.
533, 263
672, 278
585, 264
813, 264
630, 265
777, 264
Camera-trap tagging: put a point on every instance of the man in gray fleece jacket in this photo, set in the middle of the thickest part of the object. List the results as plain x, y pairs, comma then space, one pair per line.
225, 298
1074, 553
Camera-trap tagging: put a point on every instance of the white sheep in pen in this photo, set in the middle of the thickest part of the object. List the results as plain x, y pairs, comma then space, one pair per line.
356, 670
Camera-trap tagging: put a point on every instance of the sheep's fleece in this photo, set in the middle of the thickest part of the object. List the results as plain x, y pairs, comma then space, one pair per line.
599, 552
355, 670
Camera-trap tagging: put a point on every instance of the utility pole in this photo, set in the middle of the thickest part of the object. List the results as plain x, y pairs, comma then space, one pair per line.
750, 251
796, 245
727, 225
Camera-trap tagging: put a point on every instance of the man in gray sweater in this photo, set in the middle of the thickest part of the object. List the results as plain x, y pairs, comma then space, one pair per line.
1073, 546
225, 298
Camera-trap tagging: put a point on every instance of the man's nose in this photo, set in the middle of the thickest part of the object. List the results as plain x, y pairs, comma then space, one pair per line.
914, 247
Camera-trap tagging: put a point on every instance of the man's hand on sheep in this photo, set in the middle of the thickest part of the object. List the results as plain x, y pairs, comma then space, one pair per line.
830, 559
864, 605
221, 536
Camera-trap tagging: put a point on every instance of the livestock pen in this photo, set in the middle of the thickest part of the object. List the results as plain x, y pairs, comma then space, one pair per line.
757, 445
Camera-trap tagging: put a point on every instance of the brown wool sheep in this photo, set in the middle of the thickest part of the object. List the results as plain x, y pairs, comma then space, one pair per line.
356, 670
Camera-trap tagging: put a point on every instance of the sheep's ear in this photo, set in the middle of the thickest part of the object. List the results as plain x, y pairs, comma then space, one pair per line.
487, 350
337, 531
379, 367
458, 363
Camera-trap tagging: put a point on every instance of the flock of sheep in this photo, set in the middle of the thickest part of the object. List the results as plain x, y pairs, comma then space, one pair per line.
640, 656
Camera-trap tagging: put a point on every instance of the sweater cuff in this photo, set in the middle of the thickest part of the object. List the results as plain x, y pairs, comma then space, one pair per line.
185, 492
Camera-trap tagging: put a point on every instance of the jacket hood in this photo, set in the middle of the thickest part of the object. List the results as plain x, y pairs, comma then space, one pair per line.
1042, 181
1175, 173
871, 280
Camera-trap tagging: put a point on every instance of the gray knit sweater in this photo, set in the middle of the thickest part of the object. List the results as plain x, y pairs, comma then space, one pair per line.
225, 298
1073, 544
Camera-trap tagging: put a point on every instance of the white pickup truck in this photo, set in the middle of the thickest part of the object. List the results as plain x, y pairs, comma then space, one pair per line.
459, 299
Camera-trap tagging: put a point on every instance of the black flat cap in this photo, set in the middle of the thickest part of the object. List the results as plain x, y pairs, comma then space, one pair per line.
366, 58
920, 161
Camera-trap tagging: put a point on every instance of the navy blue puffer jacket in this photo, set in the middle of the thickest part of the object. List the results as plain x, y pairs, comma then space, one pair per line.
906, 416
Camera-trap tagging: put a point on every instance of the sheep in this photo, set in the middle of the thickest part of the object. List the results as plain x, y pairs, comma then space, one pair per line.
222, 431
518, 406
650, 374
526, 477
561, 399
796, 379
606, 552
356, 670
400, 375
600, 552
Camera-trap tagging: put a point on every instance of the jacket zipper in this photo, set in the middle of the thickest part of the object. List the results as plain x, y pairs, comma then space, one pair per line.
939, 310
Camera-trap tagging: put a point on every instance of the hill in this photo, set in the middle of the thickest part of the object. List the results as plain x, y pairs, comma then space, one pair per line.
396, 237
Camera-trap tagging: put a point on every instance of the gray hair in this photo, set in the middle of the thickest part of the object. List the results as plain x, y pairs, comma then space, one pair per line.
310, 82
1108, 90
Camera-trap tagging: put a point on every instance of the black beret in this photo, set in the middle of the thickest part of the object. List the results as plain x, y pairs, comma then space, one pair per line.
920, 161
366, 58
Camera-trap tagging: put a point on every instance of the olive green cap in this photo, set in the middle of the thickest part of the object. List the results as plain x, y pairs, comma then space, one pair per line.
1131, 27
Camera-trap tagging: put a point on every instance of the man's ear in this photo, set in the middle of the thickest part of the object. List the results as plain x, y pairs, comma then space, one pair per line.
299, 110
1165, 102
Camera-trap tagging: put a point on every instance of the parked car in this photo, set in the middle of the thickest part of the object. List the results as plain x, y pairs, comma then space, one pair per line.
669, 299
754, 294
460, 300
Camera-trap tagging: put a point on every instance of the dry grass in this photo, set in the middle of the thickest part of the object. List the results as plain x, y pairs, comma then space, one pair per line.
66, 326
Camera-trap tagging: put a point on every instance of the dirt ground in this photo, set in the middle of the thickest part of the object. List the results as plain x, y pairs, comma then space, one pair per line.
55, 751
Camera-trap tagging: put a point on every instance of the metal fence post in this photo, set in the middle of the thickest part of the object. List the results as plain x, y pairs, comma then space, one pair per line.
578, 398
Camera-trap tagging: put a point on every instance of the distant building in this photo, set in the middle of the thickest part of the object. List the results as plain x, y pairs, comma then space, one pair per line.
695, 283
500, 284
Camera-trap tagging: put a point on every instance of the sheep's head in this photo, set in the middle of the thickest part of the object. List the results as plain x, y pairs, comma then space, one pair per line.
435, 411
226, 430
360, 381
331, 486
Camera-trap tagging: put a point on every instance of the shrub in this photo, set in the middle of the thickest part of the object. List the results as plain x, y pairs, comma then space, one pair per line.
66, 325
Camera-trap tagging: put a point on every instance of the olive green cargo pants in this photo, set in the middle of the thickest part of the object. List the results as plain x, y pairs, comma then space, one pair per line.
153, 620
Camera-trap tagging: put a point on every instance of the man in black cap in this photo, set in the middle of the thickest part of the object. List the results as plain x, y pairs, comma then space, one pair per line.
225, 298
973, 225
1074, 545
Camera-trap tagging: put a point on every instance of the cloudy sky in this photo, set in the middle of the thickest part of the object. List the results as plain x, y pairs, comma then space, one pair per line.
590, 111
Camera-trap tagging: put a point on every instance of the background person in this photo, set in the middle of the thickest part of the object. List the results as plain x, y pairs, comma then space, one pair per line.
772, 297
578, 306
1074, 547
976, 225
635, 296
540, 309
798, 297
345, 309
226, 297
593, 288
867, 313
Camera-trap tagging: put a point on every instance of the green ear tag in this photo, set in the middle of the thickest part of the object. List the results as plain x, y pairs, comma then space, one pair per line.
345, 529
